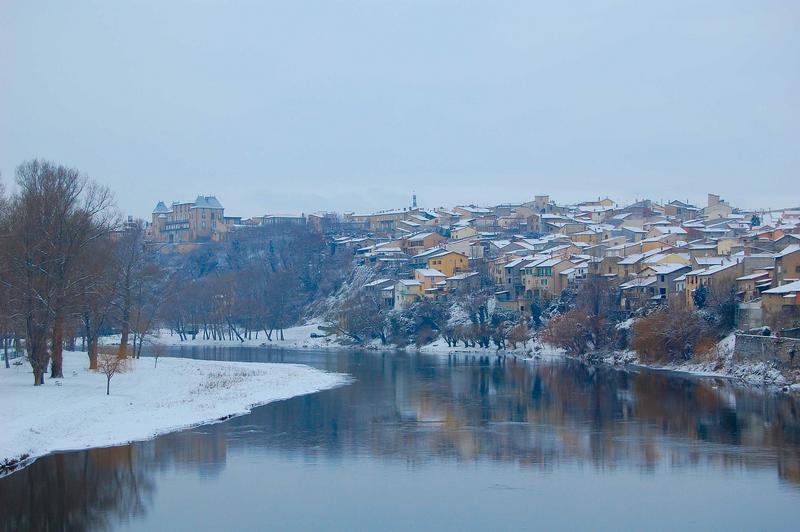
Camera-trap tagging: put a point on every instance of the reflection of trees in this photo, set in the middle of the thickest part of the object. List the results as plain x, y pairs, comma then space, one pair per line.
76, 491
91, 489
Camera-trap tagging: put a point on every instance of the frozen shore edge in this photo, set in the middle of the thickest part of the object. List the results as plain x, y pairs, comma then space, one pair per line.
74, 413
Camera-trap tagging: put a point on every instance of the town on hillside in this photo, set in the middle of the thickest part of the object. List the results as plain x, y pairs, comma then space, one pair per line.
527, 254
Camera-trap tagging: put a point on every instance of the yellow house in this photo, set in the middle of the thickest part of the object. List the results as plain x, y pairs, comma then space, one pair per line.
463, 232
406, 292
448, 262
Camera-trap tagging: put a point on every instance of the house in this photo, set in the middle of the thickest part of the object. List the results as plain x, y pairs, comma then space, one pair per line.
421, 241
376, 286
632, 233
448, 262
406, 292
428, 277
470, 247
542, 278
471, 211
750, 286
717, 208
665, 230
787, 265
463, 283
780, 306
575, 275
665, 275
638, 292
681, 210
512, 276
715, 277
702, 249
457, 233
382, 222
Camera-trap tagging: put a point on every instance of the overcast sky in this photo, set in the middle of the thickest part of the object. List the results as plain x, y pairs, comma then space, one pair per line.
300, 106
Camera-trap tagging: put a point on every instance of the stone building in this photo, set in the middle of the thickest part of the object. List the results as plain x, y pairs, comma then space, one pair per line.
201, 220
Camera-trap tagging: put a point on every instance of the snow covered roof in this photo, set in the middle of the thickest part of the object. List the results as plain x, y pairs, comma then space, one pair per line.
631, 259
633, 229
670, 230
755, 275
549, 263
472, 209
430, 272
409, 223
788, 288
461, 276
420, 236
516, 262
161, 208
666, 269
638, 282
716, 269
377, 282
207, 202
788, 250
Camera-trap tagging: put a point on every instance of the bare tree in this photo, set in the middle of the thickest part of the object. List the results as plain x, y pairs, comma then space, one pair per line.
109, 364
54, 215
130, 259
98, 290
159, 350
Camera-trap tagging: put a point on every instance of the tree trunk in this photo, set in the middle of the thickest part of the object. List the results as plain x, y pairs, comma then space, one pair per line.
38, 377
126, 327
92, 352
56, 365
108, 385
5, 351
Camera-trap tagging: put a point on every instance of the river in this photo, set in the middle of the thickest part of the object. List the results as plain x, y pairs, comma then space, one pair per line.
443, 443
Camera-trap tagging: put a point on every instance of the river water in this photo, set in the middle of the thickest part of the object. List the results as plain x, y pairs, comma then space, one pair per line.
443, 443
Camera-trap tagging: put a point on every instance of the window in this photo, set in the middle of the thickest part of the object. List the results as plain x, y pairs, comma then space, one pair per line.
797, 269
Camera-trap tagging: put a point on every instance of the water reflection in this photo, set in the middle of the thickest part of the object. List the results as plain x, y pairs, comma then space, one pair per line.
420, 410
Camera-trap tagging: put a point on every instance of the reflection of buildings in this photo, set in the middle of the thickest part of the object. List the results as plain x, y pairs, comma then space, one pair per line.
418, 409
551, 413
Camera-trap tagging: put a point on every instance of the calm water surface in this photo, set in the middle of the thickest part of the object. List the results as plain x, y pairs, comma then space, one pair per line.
443, 443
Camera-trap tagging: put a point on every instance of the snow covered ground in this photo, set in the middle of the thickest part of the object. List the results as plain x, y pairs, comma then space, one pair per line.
75, 412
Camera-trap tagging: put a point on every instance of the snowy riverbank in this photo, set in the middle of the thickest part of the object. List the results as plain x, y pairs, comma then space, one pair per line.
312, 336
298, 337
144, 402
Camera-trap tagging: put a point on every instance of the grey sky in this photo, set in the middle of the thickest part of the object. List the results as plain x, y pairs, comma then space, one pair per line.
304, 106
